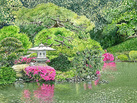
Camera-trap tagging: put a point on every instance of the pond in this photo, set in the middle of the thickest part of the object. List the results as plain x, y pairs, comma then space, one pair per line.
118, 86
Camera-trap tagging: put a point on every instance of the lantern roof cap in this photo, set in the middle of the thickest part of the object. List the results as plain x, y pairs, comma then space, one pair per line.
41, 47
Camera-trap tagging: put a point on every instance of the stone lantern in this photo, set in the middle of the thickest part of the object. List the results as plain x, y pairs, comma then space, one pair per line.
41, 54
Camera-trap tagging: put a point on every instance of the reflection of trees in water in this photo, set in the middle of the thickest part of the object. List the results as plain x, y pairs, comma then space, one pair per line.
43, 94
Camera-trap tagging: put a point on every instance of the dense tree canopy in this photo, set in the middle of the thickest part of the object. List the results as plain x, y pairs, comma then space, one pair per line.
6, 11
93, 9
64, 41
33, 20
121, 27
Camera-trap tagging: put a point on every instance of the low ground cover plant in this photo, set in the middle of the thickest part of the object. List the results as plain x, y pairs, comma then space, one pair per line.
60, 76
7, 75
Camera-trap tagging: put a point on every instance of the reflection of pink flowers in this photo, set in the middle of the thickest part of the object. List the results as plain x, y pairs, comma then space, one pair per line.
108, 57
98, 76
110, 66
45, 93
96, 81
26, 93
42, 72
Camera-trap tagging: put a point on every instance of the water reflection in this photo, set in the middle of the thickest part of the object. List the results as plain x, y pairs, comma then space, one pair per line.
87, 86
43, 94
108, 71
109, 66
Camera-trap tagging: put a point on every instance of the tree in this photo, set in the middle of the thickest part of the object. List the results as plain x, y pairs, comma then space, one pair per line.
64, 41
10, 49
7, 7
13, 31
121, 27
33, 20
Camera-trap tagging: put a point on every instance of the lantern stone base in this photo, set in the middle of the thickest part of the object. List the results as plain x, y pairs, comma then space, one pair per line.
41, 64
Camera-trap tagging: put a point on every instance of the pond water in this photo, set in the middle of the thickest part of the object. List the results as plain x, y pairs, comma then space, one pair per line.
121, 87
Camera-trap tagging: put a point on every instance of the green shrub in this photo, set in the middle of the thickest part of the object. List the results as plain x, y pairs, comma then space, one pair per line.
64, 41
123, 57
133, 55
87, 62
7, 75
13, 31
10, 49
33, 55
60, 63
124, 46
31, 24
64, 75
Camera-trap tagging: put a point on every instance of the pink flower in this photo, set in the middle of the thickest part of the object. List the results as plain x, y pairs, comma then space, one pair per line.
42, 72
87, 65
47, 61
90, 66
108, 57
97, 72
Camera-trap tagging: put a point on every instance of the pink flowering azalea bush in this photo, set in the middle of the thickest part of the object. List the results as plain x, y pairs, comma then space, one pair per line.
108, 57
40, 73
24, 60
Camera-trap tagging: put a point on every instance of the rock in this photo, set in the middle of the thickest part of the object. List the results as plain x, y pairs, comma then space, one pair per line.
18, 68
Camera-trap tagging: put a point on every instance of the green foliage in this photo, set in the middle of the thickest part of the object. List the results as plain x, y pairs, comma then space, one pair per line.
108, 33
66, 43
7, 7
133, 55
31, 21
13, 31
54, 37
95, 10
7, 75
60, 63
123, 57
121, 24
125, 46
33, 55
87, 62
10, 49
60, 76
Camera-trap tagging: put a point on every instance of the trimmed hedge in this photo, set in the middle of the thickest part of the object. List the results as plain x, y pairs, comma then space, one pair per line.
125, 46
123, 57
133, 55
